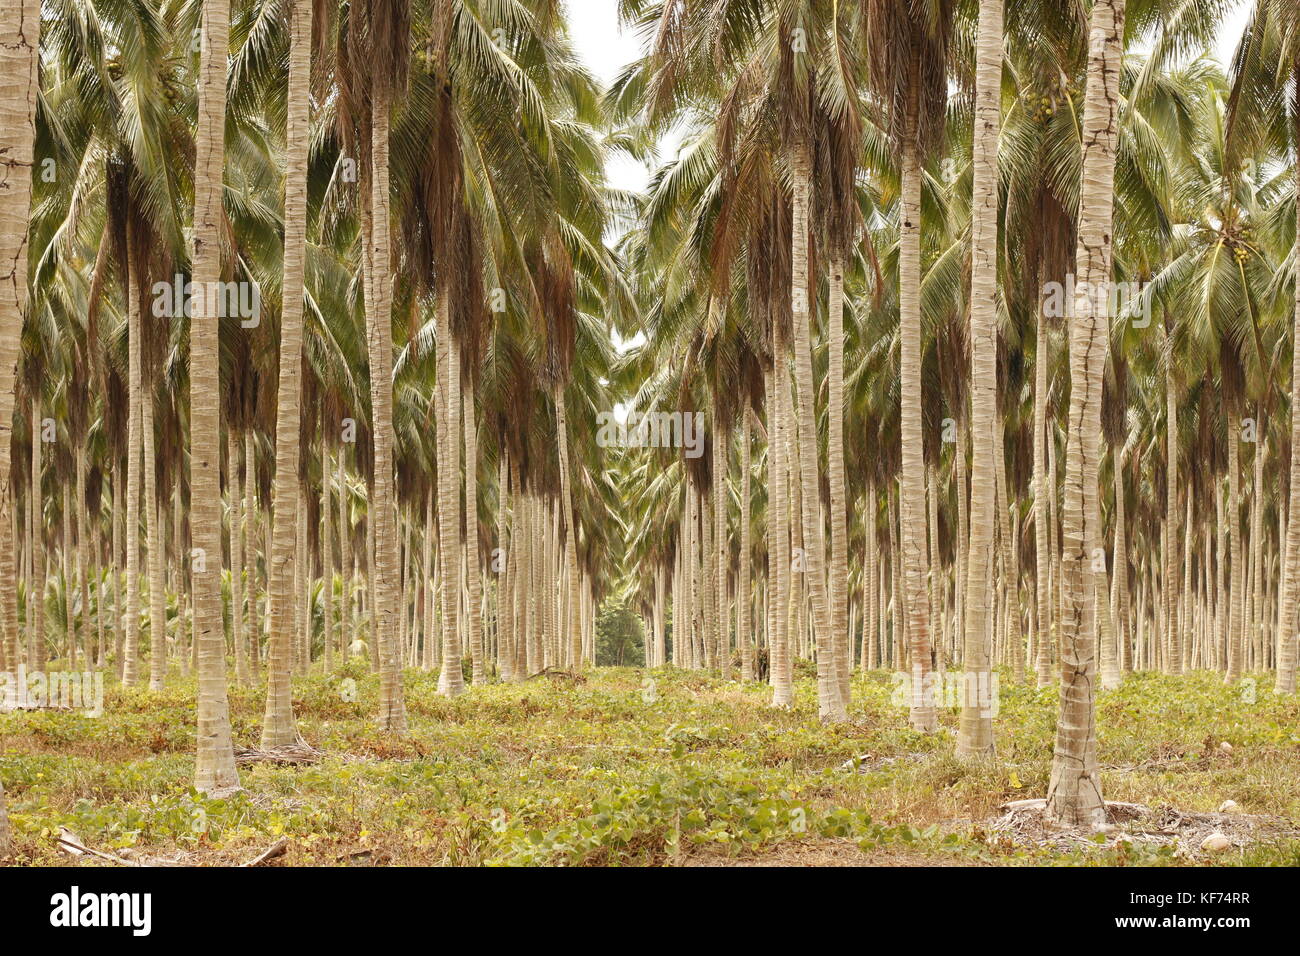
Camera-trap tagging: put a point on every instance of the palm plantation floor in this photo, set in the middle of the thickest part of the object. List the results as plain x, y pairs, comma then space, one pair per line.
670, 768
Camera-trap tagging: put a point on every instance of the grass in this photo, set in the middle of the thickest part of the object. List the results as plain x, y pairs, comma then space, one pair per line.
629, 768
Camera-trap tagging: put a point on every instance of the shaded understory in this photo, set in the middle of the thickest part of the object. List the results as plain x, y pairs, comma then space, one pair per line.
625, 767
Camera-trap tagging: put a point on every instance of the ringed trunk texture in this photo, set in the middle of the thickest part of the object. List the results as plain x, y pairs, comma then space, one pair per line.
1042, 549
236, 557
131, 539
279, 728
912, 491
36, 581
152, 522
839, 576
721, 550
975, 735
570, 619
1122, 632
1286, 640
1236, 584
20, 28
392, 707
744, 639
478, 674
830, 703
779, 495
451, 680
1168, 577
214, 768
1074, 790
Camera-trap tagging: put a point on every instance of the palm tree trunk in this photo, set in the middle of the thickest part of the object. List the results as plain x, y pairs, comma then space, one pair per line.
1286, 637
327, 558
1054, 532
36, 655
279, 727
831, 706
392, 707
1168, 578
912, 493
1010, 547
897, 596
235, 489
153, 544
19, 50
302, 587
710, 582
118, 518
83, 556
661, 613
1074, 791
744, 640
180, 569
1120, 562
1042, 549
131, 538
450, 681
214, 769
721, 549
504, 567
1236, 586
346, 630
1256, 591
532, 560
429, 629
28, 576
1184, 597
253, 625
839, 576
1105, 621
553, 580
1220, 579
478, 672
518, 563
65, 557
962, 549
779, 541
571, 529
404, 583
97, 571
871, 636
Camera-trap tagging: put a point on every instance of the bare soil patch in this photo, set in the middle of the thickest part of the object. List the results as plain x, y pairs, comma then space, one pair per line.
1197, 835
827, 852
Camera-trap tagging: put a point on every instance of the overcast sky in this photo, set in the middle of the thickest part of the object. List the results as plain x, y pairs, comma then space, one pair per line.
593, 24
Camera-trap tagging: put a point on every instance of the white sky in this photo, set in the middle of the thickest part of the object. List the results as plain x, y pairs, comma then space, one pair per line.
593, 25
1234, 24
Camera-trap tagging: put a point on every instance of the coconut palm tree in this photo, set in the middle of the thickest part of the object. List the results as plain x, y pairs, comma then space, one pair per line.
976, 737
19, 41
279, 729
908, 75
214, 769
1074, 792
1266, 59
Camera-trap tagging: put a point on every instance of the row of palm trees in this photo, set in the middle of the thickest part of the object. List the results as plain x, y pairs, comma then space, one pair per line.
913, 458
301, 459
1004, 481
